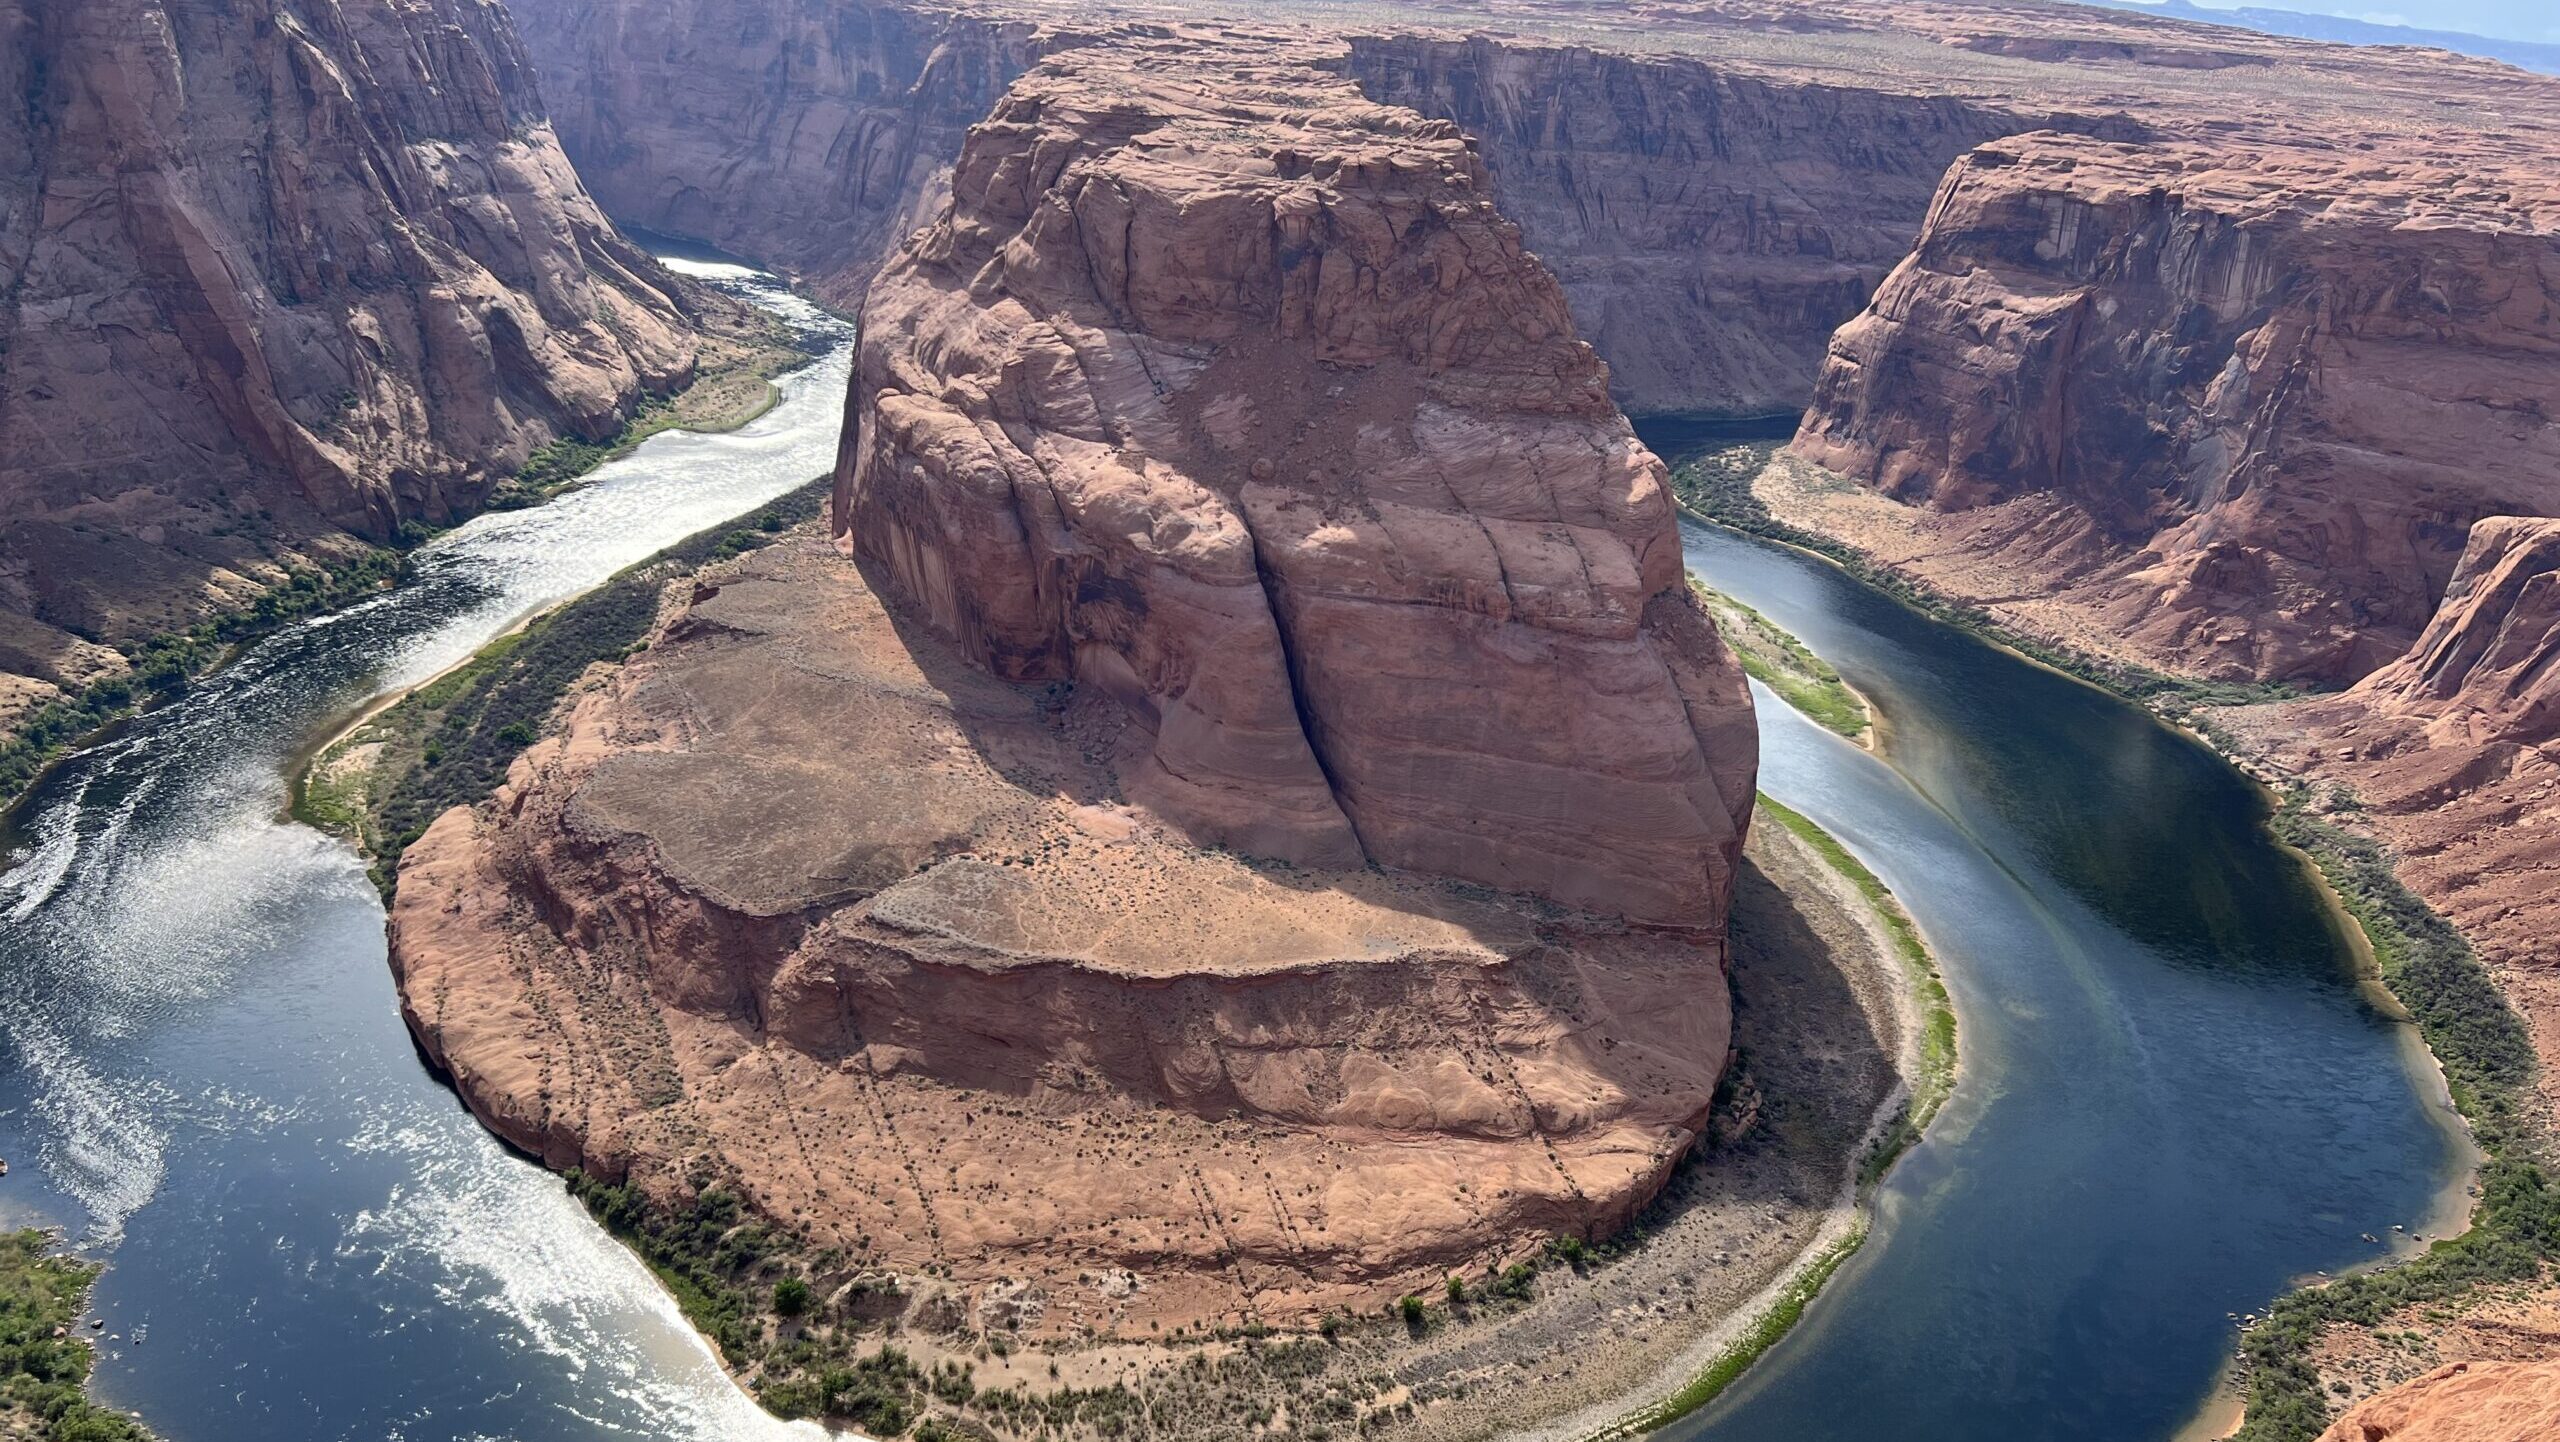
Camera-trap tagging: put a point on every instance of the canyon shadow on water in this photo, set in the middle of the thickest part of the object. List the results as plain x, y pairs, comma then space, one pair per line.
204, 1077
2176, 1100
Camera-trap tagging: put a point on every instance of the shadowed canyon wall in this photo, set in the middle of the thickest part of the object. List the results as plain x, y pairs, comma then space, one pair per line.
810, 136
272, 274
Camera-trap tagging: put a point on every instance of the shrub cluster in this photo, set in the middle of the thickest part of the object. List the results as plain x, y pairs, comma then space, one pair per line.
2489, 1065
44, 1362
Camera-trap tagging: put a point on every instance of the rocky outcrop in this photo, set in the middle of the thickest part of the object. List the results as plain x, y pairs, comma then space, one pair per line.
807, 903
1234, 819
1711, 225
2461, 1402
2454, 752
1230, 392
813, 138
271, 274
2487, 669
2249, 400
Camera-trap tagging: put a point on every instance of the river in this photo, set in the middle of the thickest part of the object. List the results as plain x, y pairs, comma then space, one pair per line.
203, 1073
2175, 1098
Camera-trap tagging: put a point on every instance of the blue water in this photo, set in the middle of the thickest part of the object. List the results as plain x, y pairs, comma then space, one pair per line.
2174, 1099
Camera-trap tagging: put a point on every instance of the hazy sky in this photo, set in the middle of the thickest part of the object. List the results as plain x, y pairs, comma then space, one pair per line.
2514, 19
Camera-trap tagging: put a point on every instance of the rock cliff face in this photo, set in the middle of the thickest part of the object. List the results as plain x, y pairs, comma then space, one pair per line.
1229, 506
811, 137
2247, 400
2454, 748
270, 273
1285, 440
1712, 226
2462, 1402
1718, 185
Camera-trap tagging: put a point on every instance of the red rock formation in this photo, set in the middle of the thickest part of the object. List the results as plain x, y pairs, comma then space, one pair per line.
2253, 398
1269, 426
2454, 751
274, 271
2487, 670
808, 902
1228, 474
2461, 1402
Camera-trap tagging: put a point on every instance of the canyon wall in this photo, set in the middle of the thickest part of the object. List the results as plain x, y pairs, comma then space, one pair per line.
2453, 753
2249, 399
1234, 816
811, 137
1711, 225
274, 274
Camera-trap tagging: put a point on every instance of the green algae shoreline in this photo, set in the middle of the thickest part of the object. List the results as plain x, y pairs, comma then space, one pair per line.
1933, 1080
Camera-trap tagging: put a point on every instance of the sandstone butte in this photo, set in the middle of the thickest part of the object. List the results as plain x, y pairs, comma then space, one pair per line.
278, 277
1240, 820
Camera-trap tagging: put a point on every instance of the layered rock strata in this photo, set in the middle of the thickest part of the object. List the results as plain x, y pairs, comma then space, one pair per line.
1232, 393
2234, 406
1719, 185
270, 274
1240, 821
1711, 226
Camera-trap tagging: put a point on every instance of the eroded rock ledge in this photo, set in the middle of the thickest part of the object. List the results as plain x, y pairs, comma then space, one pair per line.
1229, 512
2231, 409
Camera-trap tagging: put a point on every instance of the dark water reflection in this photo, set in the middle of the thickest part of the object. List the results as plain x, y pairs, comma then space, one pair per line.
2175, 1100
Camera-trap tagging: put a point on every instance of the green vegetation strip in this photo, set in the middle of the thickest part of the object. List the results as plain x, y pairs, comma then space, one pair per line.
449, 743
2489, 1064
1764, 1332
1928, 1091
1717, 487
1772, 656
44, 1361
162, 667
